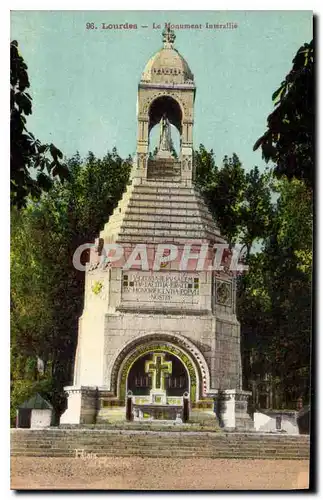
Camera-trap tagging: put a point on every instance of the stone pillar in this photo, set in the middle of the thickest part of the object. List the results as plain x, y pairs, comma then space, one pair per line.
234, 410
186, 166
139, 168
81, 405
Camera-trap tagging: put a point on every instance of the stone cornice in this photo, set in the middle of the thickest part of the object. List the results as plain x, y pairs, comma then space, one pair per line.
166, 86
163, 311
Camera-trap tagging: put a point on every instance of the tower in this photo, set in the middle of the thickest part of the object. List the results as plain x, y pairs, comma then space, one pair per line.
159, 323
166, 87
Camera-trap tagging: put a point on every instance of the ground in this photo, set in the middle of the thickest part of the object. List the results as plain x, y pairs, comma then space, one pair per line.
157, 474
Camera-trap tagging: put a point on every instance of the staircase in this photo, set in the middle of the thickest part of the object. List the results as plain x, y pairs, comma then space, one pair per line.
58, 442
155, 210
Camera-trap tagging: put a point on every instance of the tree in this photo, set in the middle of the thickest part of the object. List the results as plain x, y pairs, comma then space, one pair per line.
274, 296
222, 189
240, 201
205, 169
256, 210
31, 309
47, 291
274, 305
289, 140
27, 154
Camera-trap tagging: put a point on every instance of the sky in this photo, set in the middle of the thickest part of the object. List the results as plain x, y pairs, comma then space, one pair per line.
84, 82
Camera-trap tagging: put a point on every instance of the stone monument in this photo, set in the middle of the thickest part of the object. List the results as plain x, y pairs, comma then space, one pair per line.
164, 325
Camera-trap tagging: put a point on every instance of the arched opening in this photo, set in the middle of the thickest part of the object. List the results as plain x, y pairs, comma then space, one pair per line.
165, 105
128, 356
169, 107
173, 343
175, 380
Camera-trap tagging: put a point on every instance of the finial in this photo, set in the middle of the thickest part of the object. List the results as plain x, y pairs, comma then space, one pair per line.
168, 38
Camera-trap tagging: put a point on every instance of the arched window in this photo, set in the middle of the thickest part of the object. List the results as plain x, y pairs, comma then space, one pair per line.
165, 105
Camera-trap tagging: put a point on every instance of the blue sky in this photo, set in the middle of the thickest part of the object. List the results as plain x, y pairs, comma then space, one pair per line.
84, 82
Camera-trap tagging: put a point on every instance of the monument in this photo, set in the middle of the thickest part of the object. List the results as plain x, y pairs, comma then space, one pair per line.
161, 329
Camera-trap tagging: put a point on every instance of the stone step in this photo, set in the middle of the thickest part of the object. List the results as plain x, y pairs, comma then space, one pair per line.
167, 453
159, 224
61, 442
167, 214
159, 436
190, 204
171, 190
163, 172
146, 436
171, 179
165, 197
147, 439
157, 235
271, 454
157, 445
188, 208
191, 212
155, 214
193, 444
147, 234
160, 449
162, 183
99, 432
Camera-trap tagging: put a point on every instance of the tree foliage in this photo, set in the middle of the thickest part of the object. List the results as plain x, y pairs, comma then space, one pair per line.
289, 140
240, 201
33, 165
47, 291
274, 296
274, 303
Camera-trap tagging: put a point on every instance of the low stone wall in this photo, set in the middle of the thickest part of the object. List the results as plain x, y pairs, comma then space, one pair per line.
40, 418
265, 421
56, 442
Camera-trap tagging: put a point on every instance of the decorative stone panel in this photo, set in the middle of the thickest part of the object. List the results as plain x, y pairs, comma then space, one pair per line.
223, 292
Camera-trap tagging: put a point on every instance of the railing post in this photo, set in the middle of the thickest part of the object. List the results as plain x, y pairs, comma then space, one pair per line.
186, 407
129, 409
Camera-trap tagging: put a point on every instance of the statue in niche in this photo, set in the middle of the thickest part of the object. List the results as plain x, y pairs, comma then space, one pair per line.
165, 139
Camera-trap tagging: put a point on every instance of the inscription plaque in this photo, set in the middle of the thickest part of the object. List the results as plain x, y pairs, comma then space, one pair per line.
165, 287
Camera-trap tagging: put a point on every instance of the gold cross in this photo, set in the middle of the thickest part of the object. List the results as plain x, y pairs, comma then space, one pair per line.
159, 367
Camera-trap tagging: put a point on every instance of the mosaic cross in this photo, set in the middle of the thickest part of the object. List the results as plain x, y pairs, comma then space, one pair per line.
158, 368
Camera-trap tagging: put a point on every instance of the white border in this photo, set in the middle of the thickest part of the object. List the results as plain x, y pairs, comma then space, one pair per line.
4, 198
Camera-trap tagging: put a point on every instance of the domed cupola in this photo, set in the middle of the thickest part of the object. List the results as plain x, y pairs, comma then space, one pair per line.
166, 94
167, 65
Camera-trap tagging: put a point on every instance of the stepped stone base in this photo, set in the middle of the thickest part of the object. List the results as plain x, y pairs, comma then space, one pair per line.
157, 209
73, 442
